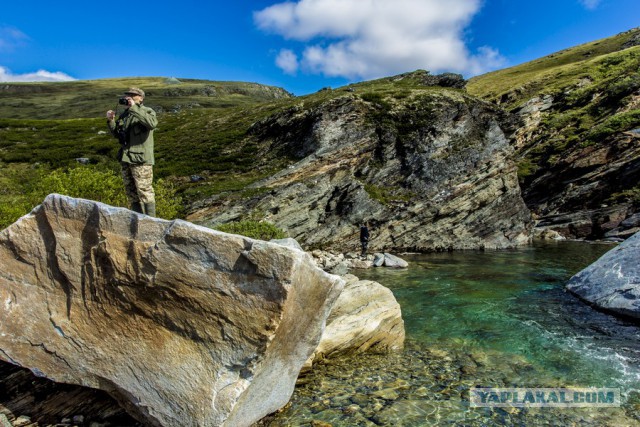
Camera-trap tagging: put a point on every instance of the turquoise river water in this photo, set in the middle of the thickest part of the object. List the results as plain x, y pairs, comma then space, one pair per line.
480, 319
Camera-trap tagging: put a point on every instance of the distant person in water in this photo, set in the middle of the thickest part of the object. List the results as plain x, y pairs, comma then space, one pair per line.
364, 238
134, 130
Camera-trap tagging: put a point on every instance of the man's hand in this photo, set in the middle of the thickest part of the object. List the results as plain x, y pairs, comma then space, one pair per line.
130, 101
111, 115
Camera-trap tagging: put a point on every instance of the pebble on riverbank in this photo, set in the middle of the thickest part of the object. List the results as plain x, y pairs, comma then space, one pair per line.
341, 263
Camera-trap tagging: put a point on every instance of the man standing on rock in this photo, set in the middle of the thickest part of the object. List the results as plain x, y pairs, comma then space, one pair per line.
134, 130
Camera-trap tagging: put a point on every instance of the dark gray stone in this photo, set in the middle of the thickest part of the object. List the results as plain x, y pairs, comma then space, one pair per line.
612, 283
632, 221
378, 260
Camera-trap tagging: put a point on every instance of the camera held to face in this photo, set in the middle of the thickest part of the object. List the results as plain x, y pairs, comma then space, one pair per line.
123, 101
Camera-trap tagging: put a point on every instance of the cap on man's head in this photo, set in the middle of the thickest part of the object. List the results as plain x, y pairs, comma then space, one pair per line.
135, 91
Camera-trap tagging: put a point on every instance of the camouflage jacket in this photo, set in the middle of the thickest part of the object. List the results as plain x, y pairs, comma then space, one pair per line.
134, 128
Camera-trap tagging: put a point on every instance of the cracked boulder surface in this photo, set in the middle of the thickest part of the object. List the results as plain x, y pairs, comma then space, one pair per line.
612, 283
182, 325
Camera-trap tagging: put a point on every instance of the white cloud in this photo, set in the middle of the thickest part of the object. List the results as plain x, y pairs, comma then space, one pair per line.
374, 38
11, 38
287, 60
590, 4
38, 76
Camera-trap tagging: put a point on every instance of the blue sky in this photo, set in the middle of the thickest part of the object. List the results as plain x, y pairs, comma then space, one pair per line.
301, 45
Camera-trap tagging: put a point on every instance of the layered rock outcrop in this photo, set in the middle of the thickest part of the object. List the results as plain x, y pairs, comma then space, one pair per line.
433, 171
612, 283
183, 325
577, 134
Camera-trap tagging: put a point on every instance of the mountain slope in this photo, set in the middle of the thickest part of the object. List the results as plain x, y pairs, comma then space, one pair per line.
578, 111
426, 163
428, 167
571, 120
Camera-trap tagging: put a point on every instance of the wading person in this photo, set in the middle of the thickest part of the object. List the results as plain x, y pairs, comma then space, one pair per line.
364, 238
134, 130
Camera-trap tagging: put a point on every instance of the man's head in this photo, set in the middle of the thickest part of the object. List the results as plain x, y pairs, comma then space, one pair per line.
136, 94
133, 91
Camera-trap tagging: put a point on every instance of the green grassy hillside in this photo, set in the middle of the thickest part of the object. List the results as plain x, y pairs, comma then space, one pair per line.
596, 60
91, 98
580, 109
204, 129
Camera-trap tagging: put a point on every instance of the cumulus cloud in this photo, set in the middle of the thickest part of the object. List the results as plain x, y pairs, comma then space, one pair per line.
590, 4
287, 60
38, 76
374, 38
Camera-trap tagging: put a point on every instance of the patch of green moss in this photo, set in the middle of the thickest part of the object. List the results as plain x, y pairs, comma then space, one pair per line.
631, 195
615, 124
388, 195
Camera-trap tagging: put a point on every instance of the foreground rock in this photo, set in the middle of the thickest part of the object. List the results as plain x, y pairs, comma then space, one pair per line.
184, 326
612, 283
366, 315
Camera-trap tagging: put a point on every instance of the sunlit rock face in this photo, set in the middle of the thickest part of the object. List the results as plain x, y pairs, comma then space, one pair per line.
183, 325
431, 171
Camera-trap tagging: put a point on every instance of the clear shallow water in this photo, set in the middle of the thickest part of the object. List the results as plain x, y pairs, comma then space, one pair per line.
514, 302
499, 319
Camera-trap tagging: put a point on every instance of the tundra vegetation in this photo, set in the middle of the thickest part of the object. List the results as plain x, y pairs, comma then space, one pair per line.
205, 129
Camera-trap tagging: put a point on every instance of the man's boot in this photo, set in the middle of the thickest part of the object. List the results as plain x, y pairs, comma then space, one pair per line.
137, 207
150, 209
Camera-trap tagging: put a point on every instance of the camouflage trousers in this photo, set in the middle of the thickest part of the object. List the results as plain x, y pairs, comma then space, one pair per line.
138, 183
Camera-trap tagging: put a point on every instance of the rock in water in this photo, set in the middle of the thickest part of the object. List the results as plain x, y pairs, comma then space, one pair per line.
394, 261
366, 316
612, 283
183, 325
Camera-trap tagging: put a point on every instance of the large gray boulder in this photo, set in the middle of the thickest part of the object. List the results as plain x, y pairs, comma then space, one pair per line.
394, 261
612, 283
183, 325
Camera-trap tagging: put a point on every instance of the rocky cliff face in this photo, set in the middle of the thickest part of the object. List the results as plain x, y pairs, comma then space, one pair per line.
429, 170
586, 188
578, 136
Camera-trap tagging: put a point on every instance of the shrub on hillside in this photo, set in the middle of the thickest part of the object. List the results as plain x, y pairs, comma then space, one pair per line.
81, 182
260, 230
